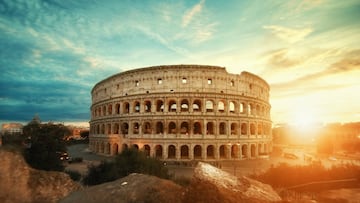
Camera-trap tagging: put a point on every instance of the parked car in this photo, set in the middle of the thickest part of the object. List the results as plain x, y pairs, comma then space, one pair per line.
63, 156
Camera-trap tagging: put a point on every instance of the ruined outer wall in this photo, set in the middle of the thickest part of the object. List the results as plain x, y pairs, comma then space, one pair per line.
182, 112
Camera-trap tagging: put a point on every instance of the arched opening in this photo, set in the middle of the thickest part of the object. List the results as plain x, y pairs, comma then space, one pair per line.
243, 129
210, 152
115, 149
184, 128
158, 151
244, 151
110, 109
126, 107
135, 146
107, 148
104, 111
136, 128
234, 151
253, 150
159, 127
136, 107
117, 108
259, 129
210, 128
116, 128
184, 152
250, 109
125, 128
103, 129
197, 152
159, 106
147, 128
222, 128
234, 128
184, 105
147, 105
232, 107
108, 128
221, 107
98, 129
172, 128
102, 148
172, 106
266, 150
171, 152
252, 129
222, 152
242, 108
147, 150
260, 148
197, 106
209, 106
125, 147
197, 128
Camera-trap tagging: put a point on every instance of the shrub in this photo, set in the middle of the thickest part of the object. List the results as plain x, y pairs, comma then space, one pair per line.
129, 161
74, 175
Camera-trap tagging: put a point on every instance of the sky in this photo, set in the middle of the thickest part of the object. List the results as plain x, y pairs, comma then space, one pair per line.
54, 51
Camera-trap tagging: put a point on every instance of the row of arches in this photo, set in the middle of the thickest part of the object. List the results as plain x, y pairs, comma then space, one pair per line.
188, 152
180, 105
194, 127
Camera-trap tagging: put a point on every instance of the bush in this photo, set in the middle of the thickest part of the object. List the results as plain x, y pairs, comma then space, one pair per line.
74, 175
129, 161
76, 160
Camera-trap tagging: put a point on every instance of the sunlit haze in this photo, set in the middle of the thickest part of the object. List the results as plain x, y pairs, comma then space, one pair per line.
54, 52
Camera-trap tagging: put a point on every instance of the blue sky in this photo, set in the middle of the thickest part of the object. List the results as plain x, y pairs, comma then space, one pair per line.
54, 51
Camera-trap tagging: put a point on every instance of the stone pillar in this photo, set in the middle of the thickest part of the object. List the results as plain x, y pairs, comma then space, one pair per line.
165, 152
240, 151
178, 152
228, 151
191, 151
203, 152
216, 152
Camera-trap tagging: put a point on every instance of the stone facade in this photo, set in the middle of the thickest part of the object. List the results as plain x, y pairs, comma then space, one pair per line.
182, 112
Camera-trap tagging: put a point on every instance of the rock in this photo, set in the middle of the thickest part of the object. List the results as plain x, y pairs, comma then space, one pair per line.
132, 188
21, 183
210, 184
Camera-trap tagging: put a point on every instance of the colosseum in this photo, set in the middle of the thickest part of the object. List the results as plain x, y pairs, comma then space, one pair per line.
182, 112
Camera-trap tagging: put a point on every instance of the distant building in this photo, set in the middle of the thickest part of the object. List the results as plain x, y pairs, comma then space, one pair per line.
75, 132
11, 128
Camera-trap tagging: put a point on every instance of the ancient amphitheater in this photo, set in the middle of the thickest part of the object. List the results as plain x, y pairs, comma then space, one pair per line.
182, 112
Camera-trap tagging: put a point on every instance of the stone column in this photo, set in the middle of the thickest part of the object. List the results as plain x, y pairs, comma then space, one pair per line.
178, 152
203, 152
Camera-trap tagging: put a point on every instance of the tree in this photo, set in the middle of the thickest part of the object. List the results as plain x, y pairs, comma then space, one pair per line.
46, 143
84, 134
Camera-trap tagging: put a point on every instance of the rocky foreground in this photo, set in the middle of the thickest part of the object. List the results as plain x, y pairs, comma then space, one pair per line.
20, 183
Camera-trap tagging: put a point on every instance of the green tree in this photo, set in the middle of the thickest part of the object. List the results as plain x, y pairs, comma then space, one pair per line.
46, 143
129, 161
84, 134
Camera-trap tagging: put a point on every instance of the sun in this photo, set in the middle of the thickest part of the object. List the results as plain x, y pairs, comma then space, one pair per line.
305, 120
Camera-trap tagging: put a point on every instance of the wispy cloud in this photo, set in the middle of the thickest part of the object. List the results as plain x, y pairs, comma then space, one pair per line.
191, 13
290, 35
349, 62
279, 59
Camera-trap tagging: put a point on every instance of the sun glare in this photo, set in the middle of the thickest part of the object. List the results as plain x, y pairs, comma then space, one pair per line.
306, 121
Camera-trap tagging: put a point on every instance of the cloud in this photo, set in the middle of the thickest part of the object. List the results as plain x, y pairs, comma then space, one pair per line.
187, 18
279, 59
288, 34
349, 62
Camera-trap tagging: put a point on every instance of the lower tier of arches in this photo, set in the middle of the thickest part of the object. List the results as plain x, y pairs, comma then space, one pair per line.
186, 150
